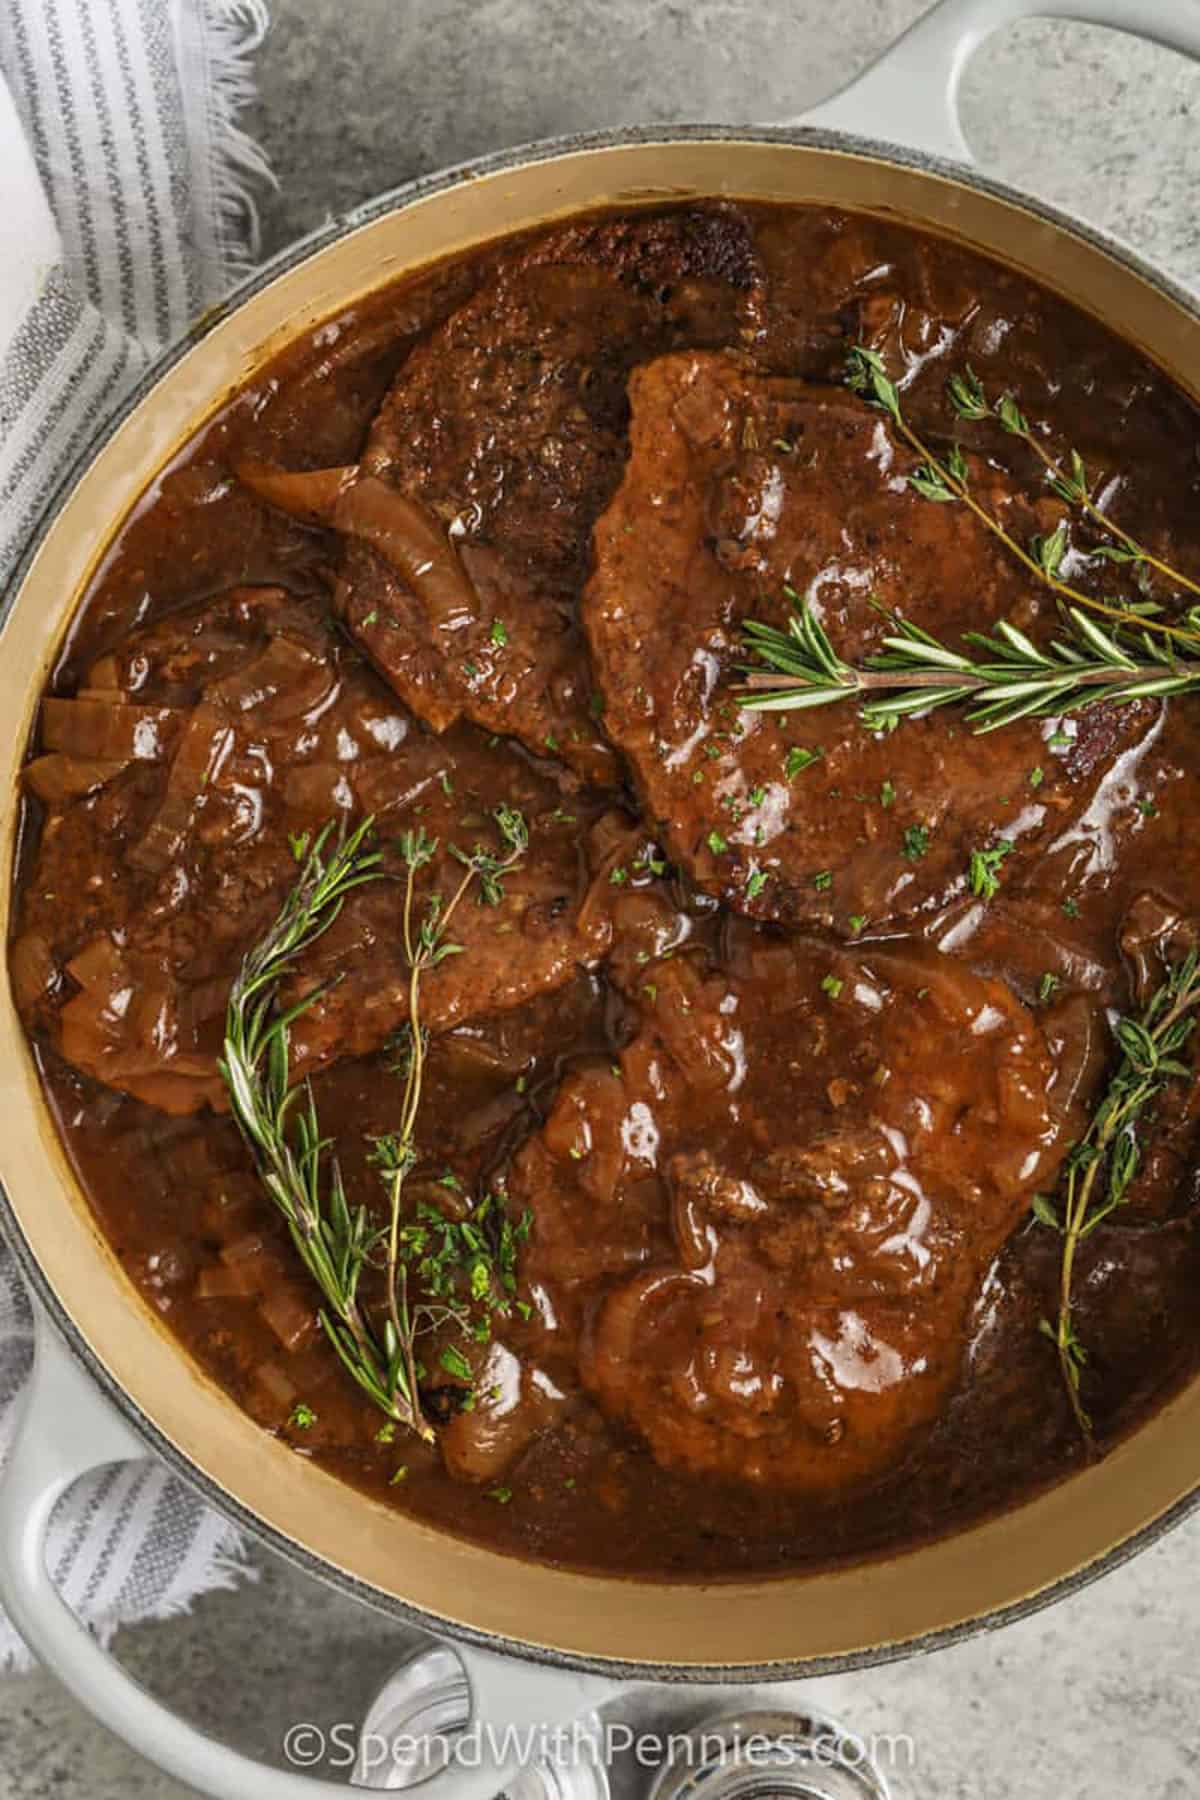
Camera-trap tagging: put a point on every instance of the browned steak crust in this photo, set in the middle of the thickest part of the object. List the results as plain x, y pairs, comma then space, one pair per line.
741, 487
508, 427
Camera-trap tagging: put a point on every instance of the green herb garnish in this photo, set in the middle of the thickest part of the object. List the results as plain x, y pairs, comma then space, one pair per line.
1009, 678
278, 1119
983, 875
1102, 1165
797, 760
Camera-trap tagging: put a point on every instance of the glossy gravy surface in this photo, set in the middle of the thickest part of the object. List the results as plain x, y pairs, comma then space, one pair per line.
776, 1142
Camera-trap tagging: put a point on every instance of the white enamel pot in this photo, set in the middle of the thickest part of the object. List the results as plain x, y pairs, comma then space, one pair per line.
539, 1644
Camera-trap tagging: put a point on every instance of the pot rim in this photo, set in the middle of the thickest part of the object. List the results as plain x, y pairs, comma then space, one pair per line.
212, 1490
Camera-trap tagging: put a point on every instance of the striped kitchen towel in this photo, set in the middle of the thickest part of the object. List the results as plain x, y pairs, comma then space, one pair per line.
127, 191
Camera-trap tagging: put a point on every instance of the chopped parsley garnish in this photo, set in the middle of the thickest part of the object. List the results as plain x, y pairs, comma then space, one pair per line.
499, 633
823, 881
1147, 809
756, 796
716, 843
832, 985
1047, 985
1036, 777
857, 921
1071, 908
618, 876
302, 1417
386, 1432
887, 795
757, 882
502, 1495
401, 1474
478, 1254
916, 842
372, 618
455, 1363
650, 863
983, 875
798, 760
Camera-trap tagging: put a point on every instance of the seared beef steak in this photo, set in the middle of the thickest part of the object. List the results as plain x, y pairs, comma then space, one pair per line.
768, 1220
468, 520
186, 776
739, 488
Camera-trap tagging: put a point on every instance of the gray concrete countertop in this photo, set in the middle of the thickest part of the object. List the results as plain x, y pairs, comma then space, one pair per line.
1100, 1696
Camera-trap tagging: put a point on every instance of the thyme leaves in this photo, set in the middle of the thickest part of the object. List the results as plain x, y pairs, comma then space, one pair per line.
1070, 482
947, 478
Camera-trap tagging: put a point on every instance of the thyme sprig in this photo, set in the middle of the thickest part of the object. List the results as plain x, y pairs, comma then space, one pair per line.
278, 1118
1008, 678
425, 946
947, 479
1102, 1165
969, 398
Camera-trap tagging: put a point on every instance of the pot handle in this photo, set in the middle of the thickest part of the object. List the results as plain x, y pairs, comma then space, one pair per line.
66, 1428
910, 95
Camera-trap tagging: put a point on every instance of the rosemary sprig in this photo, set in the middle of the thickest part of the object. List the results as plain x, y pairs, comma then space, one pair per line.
1150, 1046
970, 400
947, 479
1009, 678
278, 1118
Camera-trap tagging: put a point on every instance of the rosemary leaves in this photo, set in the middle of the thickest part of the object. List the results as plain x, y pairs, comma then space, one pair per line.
1102, 1165
1009, 678
1139, 656
299, 1168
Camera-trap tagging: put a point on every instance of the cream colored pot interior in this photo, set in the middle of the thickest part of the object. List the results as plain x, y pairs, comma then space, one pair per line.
791, 1619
